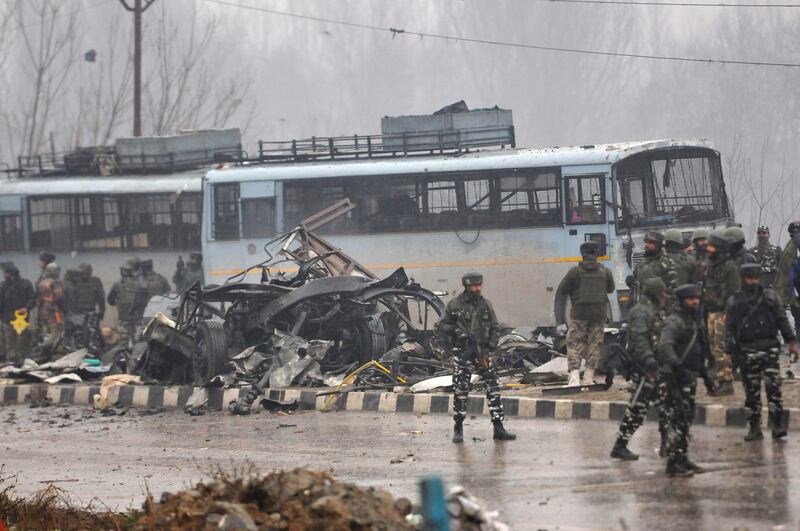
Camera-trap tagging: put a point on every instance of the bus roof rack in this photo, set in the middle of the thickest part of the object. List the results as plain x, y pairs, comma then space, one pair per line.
386, 145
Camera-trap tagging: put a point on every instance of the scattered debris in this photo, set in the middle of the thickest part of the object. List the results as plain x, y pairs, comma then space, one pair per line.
467, 513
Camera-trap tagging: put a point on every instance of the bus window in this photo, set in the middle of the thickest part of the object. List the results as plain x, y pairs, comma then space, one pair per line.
585, 199
99, 223
51, 223
226, 211
11, 232
529, 199
304, 198
150, 219
188, 213
258, 217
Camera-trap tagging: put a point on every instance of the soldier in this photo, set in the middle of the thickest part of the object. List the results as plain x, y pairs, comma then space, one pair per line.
755, 316
722, 281
85, 292
470, 326
188, 275
96, 286
767, 255
587, 286
51, 302
45, 258
740, 255
156, 283
16, 295
652, 265
682, 267
700, 242
681, 358
787, 281
645, 321
128, 295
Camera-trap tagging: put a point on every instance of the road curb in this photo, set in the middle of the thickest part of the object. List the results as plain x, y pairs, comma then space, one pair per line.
175, 397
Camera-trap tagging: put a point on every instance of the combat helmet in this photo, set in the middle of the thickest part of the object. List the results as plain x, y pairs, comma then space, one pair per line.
52, 270
674, 236
653, 287
472, 279
735, 235
719, 239
590, 248
700, 234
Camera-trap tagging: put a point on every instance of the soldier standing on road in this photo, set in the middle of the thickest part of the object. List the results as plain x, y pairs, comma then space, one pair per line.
187, 275
682, 355
16, 295
85, 292
787, 282
51, 303
156, 283
653, 264
767, 255
470, 326
586, 286
127, 295
755, 316
722, 281
645, 321
45, 258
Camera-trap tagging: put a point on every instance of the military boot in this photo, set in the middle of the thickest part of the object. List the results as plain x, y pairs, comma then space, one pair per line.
574, 378
691, 465
662, 451
724, 388
677, 469
500, 433
778, 426
754, 433
620, 451
458, 432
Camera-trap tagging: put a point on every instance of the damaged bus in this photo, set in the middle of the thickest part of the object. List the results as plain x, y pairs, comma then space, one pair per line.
517, 215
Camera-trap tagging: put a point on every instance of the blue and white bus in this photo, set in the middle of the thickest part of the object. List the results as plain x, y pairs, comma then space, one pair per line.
516, 215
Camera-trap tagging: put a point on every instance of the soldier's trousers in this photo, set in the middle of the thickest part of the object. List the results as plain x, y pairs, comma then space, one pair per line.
763, 365
716, 339
464, 367
584, 341
646, 393
16, 346
678, 392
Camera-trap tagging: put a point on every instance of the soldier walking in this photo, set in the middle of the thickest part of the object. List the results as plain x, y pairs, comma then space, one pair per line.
586, 285
16, 295
767, 255
682, 357
470, 327
51, 303
129, 294
755, 316
722, 281
187, 275
645, 321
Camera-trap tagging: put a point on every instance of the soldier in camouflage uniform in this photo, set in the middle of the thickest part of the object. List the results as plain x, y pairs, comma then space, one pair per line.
130, 296
645, 321
736, 248
681, 266
681, 351
722, 281
755, 316
45, 258
51, 303
156, 283
787, 281
470, 327
700, 253
586, 285
767, 255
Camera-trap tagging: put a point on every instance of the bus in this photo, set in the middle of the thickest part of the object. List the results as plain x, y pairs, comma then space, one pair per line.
516, 215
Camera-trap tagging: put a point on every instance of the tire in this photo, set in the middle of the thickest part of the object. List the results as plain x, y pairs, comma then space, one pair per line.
210, 351
372, 338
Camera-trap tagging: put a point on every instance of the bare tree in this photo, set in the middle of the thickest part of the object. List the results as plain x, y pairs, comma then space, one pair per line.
48, 39
181, 91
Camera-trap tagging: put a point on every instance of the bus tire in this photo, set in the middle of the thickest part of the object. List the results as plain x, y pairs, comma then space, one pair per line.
210, 351
372, 338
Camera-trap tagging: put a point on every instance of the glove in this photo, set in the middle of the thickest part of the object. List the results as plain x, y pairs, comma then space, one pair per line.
651, 368
561, 330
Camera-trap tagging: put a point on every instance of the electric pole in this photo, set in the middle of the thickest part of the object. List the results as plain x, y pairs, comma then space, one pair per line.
139, 7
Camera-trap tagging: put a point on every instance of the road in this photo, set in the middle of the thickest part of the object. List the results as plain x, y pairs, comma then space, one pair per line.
556, 476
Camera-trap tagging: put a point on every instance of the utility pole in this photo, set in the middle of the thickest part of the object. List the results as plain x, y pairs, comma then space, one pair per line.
139, 7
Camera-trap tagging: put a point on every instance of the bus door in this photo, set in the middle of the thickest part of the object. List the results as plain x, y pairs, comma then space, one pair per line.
586, 209
259, 209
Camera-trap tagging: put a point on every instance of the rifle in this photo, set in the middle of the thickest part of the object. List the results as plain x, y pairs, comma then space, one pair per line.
473, 349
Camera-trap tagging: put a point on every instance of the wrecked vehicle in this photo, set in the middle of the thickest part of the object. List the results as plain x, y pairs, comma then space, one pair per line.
329, 297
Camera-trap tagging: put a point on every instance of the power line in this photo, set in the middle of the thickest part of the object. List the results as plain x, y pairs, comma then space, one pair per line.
395, 32
672, 4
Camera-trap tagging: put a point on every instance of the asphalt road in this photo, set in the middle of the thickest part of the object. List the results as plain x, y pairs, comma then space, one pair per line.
556, 476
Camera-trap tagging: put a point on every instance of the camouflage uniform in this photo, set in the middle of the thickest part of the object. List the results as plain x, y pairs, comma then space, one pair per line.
681, 358
130, 296
587, 286
51, 302
645, 322
473, 314
755, 316
722, 281
768, 256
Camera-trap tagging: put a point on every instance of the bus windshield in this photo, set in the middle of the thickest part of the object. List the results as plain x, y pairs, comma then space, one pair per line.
670, 186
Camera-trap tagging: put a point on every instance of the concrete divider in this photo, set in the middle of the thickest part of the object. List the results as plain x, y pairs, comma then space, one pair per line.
152, 396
